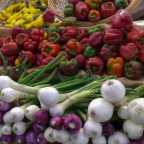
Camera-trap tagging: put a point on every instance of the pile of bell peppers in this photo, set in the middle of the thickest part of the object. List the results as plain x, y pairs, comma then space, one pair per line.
98, 50
93, 10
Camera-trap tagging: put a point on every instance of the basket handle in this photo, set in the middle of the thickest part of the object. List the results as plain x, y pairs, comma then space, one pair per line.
136, 8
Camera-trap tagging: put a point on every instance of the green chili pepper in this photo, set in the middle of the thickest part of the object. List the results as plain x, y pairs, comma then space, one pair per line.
121, 3
89, 51
69, 10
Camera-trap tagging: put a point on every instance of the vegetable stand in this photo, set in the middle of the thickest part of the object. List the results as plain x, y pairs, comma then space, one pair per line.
73, 77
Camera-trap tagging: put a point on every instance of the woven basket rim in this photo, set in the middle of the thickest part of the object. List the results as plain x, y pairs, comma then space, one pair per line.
132, 6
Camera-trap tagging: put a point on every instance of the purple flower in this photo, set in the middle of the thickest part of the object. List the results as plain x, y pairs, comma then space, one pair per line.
72, 123
56, 122
41, 117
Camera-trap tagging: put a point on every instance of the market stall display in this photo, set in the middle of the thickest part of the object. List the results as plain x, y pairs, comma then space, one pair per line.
61, 83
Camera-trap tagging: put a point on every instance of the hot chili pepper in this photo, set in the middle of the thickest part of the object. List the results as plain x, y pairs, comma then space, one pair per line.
21, 38
69, 10
121, 3
10, 49
94, 16
29, 56
89, 51
108, 9
51, 49
73, 47
37, 34
95, 65
30, 45
54, 37
115, 66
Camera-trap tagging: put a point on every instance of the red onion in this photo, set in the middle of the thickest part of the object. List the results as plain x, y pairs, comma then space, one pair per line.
38, 128
20, 139
72, 123
7, 139
56, 122
41, 117
41, 139
4, 107
31, 138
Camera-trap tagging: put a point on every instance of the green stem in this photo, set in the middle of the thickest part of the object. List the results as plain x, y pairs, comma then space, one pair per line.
24, 88
80, 97
46, 80
38, 73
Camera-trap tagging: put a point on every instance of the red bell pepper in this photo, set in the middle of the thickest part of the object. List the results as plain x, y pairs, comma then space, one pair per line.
82, 33
113, 36
95, 65
21, 38
11, 60
94, 15
136, 34
42, 60
73, 47
37, 34
10, 49
108, 9
30, 45
50, 49
28, 55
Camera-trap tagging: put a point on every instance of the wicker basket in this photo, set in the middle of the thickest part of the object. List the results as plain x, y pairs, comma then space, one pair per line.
58, 7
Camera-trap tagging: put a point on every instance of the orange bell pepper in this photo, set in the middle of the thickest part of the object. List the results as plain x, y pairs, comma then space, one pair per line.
115, 66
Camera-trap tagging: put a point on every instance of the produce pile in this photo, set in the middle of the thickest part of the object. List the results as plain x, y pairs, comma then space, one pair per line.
19, 14
62, 84
115, 49
99, 112
93, 10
